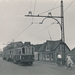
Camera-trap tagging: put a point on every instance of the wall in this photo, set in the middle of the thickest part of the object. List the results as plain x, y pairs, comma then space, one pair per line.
35, 55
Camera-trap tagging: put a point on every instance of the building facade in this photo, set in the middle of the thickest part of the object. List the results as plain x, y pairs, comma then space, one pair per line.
49, 50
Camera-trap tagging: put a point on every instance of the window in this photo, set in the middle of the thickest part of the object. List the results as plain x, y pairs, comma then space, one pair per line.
16, 51
10, 52
52, 55
47, 48
32, 51
19, 52
47, 55
23, 50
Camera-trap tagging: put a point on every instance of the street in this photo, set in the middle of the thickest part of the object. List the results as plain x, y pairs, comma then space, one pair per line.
38, 68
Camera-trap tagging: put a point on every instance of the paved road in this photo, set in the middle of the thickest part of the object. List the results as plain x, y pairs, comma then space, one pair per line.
38, 68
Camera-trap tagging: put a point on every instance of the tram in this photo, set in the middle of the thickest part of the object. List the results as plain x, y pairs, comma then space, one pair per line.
22, 54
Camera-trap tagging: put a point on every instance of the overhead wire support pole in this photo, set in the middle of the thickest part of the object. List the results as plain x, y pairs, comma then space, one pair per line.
43, 16
53, 17
61, 25
62, 34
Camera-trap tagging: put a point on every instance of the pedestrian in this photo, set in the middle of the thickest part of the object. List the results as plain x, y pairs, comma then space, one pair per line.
59, 59
69, 62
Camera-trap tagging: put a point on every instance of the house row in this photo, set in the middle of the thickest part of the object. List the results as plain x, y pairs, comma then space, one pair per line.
49, 50
46, 51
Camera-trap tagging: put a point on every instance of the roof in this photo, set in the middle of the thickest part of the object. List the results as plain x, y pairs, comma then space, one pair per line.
42, 48
52, 45
72, 51
13, 45
27, 43
67, 46
37, 46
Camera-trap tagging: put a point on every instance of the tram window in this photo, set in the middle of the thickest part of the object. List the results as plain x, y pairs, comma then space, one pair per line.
32, 50
23, 50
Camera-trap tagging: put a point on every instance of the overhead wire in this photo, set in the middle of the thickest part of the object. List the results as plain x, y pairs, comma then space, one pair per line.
23, 30
42, 29
33, 17
69, 5
42, 13
20, 27
49, 10
49, 35
34, 9
33, 29
30, 4
55, 4
30, 23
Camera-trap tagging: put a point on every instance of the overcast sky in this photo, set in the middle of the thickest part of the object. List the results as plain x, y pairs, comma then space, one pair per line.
13, 23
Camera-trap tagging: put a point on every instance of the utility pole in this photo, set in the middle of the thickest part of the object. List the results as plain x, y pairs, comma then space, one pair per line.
62, 34
61, 25
62, 22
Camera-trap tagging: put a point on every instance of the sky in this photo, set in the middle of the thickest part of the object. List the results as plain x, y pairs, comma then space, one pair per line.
15, 25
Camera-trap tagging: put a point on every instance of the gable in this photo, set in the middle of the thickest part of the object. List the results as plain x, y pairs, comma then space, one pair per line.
42, 48
37, 47
59, 47
49, 45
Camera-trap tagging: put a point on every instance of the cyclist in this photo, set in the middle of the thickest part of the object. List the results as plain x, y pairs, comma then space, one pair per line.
69, 62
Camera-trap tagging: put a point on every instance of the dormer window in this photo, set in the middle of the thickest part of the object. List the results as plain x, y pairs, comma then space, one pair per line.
47, 48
